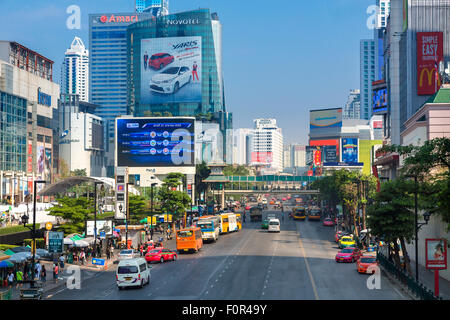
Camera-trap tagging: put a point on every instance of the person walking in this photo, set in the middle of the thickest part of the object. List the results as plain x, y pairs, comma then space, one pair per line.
55, 272
43, 274
10, 279
19, 278
37, 270
61, 262
112, 251
108, 254
151, 233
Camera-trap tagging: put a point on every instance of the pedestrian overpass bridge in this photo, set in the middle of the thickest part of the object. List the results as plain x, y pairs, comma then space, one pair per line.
281, 191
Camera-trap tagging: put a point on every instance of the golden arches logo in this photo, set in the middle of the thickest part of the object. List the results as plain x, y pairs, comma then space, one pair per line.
430, 72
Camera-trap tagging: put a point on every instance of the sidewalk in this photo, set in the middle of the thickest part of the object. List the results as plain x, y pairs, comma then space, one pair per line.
87, 271
426, 277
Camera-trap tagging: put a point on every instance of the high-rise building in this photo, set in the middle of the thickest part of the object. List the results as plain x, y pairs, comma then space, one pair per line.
287, 156
352, 108
108, 70
26, 84
241, 146
81, 136
75, 72
367, 76
175, 68
267, 146
155, 7
298, 155
384, 9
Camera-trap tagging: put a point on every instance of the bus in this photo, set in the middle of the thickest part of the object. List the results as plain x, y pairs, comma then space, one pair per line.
314, 213
299, 213
189, 239
239, 221
229, 222
210, 227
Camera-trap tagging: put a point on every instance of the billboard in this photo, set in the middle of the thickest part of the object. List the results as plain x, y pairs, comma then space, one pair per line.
155, 142
430, 51
329, 154
349, 150
436, 253
379, 100
326, 118
309, 157
171, 70
262, 157
105, 226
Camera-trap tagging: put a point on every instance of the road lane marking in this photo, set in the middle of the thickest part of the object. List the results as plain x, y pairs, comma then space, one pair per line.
309, 270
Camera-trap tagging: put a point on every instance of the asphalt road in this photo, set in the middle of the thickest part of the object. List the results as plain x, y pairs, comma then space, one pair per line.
295, 264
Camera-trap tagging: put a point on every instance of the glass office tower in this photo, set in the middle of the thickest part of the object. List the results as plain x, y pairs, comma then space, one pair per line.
108, 70
190, 41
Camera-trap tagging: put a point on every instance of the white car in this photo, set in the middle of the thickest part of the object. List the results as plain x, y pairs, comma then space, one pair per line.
274, 225
127, 254
132, 273
170, 80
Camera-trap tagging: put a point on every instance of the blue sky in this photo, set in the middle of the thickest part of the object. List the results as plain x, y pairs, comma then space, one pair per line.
280, 59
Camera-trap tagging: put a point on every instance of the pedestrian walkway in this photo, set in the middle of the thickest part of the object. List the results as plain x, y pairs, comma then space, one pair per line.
426, 277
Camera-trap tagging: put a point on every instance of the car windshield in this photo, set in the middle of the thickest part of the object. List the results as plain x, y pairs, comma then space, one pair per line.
126, 252
127, 269
346, 239
173, 70
154, 251
347, 251
156, 57
368, 260
273, 223
315, 212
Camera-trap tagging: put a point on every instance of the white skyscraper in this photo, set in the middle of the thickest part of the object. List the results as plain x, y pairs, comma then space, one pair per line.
267, 144
75, 71
351, 110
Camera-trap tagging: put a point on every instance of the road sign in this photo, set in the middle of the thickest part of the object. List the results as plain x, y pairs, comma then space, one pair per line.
436, 253
98, 262
48, 226
55, 242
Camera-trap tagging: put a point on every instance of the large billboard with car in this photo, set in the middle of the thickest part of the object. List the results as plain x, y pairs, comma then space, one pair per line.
155, 142
171, 70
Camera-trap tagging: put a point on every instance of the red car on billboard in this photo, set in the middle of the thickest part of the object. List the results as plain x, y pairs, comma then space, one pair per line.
160, 60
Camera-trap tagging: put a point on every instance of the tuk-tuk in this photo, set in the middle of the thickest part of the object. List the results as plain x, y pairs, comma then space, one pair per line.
34, 293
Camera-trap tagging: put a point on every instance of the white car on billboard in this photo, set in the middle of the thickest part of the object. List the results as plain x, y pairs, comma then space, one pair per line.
170, 80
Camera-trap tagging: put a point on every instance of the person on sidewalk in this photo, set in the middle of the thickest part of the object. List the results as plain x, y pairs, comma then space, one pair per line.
43, 274
151, 234
19, 278
108, 254
55, 272
112, 251
61, 262
10, 279
37, 270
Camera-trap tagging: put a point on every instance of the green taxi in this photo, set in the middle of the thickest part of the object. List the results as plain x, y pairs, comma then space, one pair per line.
265, 224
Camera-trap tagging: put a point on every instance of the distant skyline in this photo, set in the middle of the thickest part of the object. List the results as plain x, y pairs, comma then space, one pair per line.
277, 60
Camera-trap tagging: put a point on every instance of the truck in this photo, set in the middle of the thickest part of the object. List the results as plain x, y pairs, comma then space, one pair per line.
255, 214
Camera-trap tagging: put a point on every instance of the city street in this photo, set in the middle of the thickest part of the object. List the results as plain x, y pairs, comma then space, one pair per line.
297, 263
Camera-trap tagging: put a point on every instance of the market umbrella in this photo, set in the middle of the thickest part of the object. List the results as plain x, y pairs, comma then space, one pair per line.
68, 241
6, 264
80, 243
21, 249
9, 252
3, 256
115, 234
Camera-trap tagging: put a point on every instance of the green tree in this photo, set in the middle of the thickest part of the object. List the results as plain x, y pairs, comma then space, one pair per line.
391, 216
137, 205
75, 211
202, 172
171, 200
79, 173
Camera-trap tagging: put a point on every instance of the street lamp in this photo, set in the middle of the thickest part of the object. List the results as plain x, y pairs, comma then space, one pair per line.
151, 202
95, 214
25, 219
127, 217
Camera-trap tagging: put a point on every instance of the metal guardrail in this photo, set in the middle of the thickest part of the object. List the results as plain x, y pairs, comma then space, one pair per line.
417, 288
5, 295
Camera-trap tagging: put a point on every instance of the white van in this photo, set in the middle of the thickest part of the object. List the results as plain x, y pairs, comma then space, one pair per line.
132, 273
274, 225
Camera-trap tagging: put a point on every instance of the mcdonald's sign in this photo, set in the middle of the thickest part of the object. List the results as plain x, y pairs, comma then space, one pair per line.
429, 53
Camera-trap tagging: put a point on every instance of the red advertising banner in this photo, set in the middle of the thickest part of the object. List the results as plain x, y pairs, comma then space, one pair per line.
317, 158
262, 157
430, 51
436, 254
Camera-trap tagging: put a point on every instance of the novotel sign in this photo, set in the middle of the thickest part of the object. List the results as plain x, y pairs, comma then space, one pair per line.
44, 99
184, 21
118, 19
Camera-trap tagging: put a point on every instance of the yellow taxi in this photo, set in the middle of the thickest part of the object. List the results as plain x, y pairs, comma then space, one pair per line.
347, 241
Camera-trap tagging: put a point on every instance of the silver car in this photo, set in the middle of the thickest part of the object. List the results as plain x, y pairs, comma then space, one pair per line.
127, 254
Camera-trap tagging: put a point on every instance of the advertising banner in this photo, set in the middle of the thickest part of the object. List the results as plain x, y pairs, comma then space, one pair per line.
326, 118
55, 242
436, 253
262, 157
379, 100
317, 157
349, 150
309, 156
329, 154
171, 70
163, 142
430, 51
102, 226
